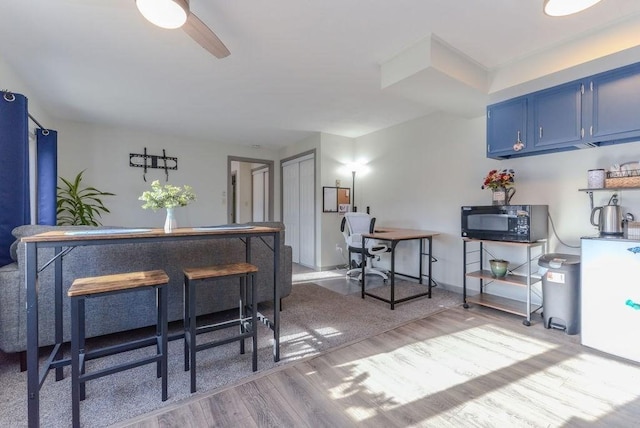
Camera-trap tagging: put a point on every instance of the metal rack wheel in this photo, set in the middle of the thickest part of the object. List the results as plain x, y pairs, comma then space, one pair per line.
465, 305
526, 322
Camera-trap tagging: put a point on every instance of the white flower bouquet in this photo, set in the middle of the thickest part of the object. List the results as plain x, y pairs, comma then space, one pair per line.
167, 196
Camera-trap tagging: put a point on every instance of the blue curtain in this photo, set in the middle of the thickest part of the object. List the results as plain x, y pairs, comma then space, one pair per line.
47, 161
14, 169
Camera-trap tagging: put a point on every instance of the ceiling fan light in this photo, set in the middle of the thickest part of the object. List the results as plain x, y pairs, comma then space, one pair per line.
168, 14
566, 7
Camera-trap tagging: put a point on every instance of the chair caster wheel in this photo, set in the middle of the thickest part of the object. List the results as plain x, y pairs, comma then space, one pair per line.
526, 322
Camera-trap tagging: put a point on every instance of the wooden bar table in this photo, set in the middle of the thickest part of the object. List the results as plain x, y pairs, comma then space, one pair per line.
395, 236
65, 241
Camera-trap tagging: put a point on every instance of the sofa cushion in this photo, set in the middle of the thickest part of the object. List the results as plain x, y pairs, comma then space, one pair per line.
34, 229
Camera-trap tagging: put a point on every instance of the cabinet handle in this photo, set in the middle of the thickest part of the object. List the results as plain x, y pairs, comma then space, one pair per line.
540, 132
632, 304
591, 130
581, 132
519, 145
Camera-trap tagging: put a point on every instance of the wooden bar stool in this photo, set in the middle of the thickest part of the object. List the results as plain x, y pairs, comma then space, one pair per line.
93, 287
248, 326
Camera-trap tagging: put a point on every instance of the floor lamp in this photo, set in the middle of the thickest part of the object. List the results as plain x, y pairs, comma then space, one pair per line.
353, 190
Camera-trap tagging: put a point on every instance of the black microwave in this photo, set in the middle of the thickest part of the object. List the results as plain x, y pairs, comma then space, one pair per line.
516, 223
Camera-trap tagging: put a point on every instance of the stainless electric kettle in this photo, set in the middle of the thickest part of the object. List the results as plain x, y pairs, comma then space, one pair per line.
610, 218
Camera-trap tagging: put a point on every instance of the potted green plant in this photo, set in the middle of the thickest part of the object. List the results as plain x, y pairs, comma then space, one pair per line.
79, 206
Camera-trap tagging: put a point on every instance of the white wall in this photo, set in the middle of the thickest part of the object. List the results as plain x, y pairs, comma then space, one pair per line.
104, 153
13, 83
421, 173
336, 153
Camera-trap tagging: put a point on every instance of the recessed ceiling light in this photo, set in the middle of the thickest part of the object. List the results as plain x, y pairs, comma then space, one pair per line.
566, 7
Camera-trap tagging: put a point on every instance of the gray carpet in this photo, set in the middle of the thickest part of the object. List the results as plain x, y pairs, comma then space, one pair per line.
313, 319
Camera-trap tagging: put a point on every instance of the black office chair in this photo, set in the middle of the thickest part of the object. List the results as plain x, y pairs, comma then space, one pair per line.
353, 225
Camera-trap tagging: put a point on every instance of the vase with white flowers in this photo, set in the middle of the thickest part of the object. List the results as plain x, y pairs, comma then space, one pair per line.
167, 197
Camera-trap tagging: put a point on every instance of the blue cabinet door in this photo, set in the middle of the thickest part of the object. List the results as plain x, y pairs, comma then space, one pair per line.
506, 126
557, 116
616, 105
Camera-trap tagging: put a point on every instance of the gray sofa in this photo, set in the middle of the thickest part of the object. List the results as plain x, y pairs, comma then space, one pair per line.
119, 313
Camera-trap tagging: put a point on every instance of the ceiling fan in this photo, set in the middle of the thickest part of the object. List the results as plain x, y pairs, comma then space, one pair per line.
173, 14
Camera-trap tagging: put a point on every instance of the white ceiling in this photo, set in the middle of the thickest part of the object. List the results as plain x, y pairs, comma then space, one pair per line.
296, 66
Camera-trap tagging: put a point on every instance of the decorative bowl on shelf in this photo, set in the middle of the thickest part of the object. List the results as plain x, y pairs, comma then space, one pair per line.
498, 267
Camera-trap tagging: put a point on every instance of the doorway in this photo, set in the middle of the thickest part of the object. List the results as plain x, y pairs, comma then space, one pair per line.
249, 190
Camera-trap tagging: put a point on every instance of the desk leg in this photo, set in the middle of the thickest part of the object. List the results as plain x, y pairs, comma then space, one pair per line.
362, 265
430, 263
33, 382
393, 274
420, 255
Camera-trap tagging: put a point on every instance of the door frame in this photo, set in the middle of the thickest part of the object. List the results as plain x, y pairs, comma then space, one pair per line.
270, 166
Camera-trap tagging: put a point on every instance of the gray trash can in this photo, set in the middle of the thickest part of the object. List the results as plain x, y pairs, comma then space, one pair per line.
561, 291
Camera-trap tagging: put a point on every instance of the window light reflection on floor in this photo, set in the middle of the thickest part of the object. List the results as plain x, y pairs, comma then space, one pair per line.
306, 343
420, 381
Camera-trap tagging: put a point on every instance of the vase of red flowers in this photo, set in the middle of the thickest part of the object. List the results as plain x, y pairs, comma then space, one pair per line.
501, 185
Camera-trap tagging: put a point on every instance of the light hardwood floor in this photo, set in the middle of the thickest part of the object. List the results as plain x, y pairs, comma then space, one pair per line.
457, 368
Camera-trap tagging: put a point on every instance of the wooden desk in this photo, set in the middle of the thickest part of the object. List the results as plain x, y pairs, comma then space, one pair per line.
394, 236
63, 243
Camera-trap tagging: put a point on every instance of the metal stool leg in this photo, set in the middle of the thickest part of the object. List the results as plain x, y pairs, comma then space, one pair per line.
192, 333
185, 323
75, 360
241, 309
163, 319
254, 322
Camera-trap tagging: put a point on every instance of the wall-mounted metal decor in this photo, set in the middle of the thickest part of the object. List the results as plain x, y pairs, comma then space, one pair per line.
145, 161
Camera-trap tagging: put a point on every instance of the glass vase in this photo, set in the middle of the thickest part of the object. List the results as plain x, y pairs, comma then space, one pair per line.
170, 223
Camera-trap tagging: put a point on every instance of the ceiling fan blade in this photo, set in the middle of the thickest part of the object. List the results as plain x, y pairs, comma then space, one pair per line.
206, 38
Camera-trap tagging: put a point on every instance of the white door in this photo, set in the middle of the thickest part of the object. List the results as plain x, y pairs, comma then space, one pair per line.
260, 195
307, 219
290, 203
298, 208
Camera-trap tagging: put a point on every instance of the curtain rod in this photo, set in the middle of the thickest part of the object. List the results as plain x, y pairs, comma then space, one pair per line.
36, 122
9, 96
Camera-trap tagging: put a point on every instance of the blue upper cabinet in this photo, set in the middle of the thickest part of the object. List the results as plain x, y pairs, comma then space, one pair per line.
598, 110
557, 116
616, 104
507, 127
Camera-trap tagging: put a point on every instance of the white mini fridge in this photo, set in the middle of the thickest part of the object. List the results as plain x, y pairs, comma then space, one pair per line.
610, 295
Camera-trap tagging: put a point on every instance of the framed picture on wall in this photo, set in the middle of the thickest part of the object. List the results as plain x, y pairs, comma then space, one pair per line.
336, 199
